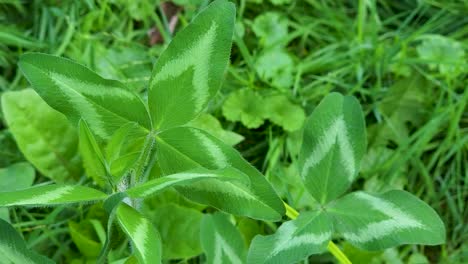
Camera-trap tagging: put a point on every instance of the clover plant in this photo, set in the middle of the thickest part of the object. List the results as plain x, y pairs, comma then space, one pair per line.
122, 137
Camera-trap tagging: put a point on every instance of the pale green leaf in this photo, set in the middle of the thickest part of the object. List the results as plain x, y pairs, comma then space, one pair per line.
376, 222
221, 240
50, 195
93, 160
276, 67
282, 112
179, 227
212, 125
78, 92
294, 240
145, 238
44, 135
333, 146
13, 249
185, 148
271, 28
17, 176
186, 178
245, 105
189, 72
85, 239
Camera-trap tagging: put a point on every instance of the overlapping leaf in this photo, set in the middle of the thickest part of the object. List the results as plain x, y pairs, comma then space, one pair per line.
184, 148
145, 238
184, 178
43, 135
13, 249
375, 222
221, 240
93, 160
294, 240
333, 146
190, 70
50, 195
78, 92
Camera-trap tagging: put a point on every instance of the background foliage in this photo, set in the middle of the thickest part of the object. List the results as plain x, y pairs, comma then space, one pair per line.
404, 60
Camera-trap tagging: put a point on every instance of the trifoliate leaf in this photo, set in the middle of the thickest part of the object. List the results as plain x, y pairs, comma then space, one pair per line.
246, 106
283, 113
275, 66
271, 28
442, 53
212, 125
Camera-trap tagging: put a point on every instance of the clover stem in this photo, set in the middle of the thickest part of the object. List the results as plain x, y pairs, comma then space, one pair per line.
332, 247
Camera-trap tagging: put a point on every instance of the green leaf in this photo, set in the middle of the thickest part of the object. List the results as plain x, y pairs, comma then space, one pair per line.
276, 67
179, 227
376, 222
190, 70
50, 195
78, 92
185, 178
145, 238
17, 176
442, 53
212, 125
333, 146
245, 105
271, 28
283, 113
221, 240
13, 249
93, 160
44, 135
85, 238
294, 240
185, 148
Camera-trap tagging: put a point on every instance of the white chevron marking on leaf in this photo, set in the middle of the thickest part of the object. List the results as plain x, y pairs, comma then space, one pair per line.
398, 220
217, 155
173, 180
198, 57
81, 104
287, 239
44, 198
222, 246
336, 133
140, 238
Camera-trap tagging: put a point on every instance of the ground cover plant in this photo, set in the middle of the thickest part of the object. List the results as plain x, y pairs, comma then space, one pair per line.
130, 164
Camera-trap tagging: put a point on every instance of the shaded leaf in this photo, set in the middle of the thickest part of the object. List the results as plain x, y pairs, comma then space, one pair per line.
271, 28
221, 241
283, 113
93, 160
44, 135
276, 67
212, 125
246, 106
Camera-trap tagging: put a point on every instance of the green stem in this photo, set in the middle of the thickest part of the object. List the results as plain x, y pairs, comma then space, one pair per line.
332, 247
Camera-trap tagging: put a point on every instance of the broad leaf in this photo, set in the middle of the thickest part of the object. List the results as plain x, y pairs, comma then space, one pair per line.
50, 195
44, 135
294, 240
78, 92
184, 148
93, 160
145, 238
189, 72
85, 238
212, 125
333, 146
282, 112
185, 178
375, 222
179, 227
221, 240
13, 249
247, 106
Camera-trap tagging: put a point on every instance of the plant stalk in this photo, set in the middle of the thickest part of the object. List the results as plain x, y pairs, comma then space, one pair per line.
332, 247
